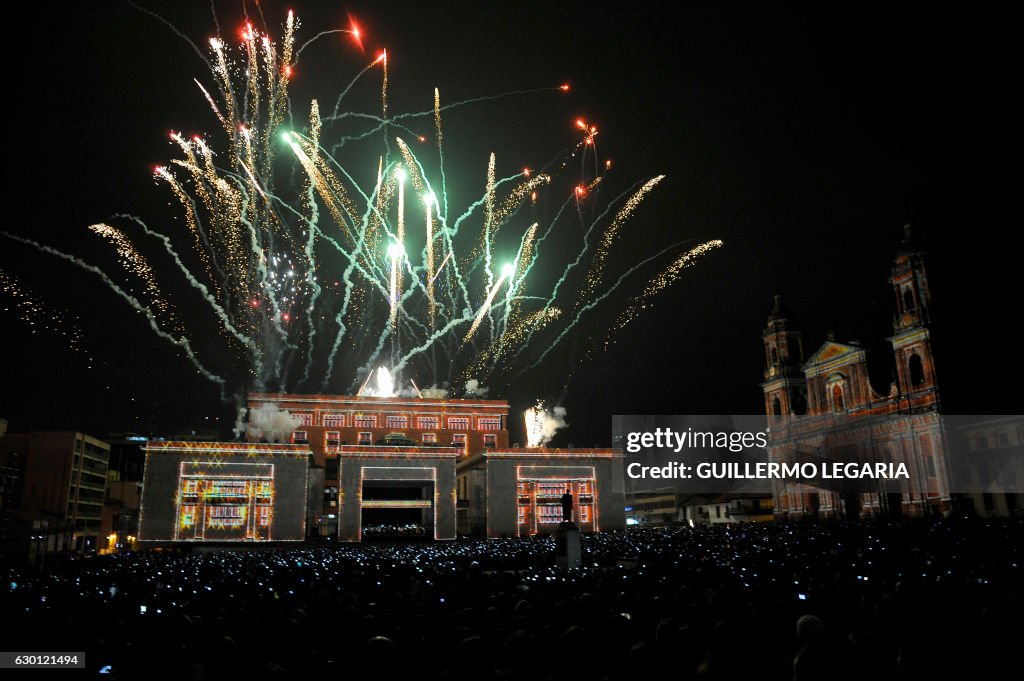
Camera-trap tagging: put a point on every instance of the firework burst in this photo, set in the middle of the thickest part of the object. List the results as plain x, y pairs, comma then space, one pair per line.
316, 279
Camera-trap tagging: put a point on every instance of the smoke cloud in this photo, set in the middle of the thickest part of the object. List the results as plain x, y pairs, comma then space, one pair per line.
239, 422
433, 392
474, 389
268, 423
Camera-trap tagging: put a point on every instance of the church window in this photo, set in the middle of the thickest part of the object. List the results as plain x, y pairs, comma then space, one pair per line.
916, 370
908, 300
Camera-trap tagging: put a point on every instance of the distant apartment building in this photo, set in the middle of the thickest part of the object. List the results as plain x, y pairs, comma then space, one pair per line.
61, 487
989, 452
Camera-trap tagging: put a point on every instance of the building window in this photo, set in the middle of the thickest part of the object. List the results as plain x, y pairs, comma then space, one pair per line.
334, 420
524, 491
550, 514
718, 511
930, 466
489, 423
776, 406
1002, 440
908, 300
458, 423
427, 422
430, 438
459, 440
333, 438
490, 441
981, 442
838, 403
305, 419
365, 438
364, 421
775, 355
393, 422
916, 370
585, 514
300, 437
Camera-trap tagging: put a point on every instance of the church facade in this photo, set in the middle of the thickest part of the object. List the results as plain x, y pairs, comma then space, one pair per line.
822, 405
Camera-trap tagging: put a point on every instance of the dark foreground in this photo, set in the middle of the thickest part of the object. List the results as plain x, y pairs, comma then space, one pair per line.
885, 601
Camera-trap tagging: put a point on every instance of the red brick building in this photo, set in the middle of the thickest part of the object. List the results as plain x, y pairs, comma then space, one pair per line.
327, 422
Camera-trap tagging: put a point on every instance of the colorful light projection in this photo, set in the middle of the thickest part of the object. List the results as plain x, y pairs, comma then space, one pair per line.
224, 501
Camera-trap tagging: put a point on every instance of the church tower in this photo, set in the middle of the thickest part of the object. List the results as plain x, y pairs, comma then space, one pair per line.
785, 389
911, 339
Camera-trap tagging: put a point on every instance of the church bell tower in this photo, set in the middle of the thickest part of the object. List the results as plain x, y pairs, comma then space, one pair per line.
785, 389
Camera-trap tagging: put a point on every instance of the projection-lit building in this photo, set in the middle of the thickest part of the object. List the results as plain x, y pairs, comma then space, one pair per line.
369, 467
424, 462
388, 461
824, 405
518, 492
224, 492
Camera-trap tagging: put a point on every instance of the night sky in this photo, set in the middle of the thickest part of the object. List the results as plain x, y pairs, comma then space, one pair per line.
804, 139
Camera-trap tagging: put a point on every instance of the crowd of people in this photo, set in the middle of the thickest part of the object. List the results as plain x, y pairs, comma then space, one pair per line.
897, 600
392, 531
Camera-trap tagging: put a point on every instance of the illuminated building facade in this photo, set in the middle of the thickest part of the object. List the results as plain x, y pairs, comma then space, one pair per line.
518, 492
400, 462
825, 405
227, 501
389, 462
329, 422
224, 492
